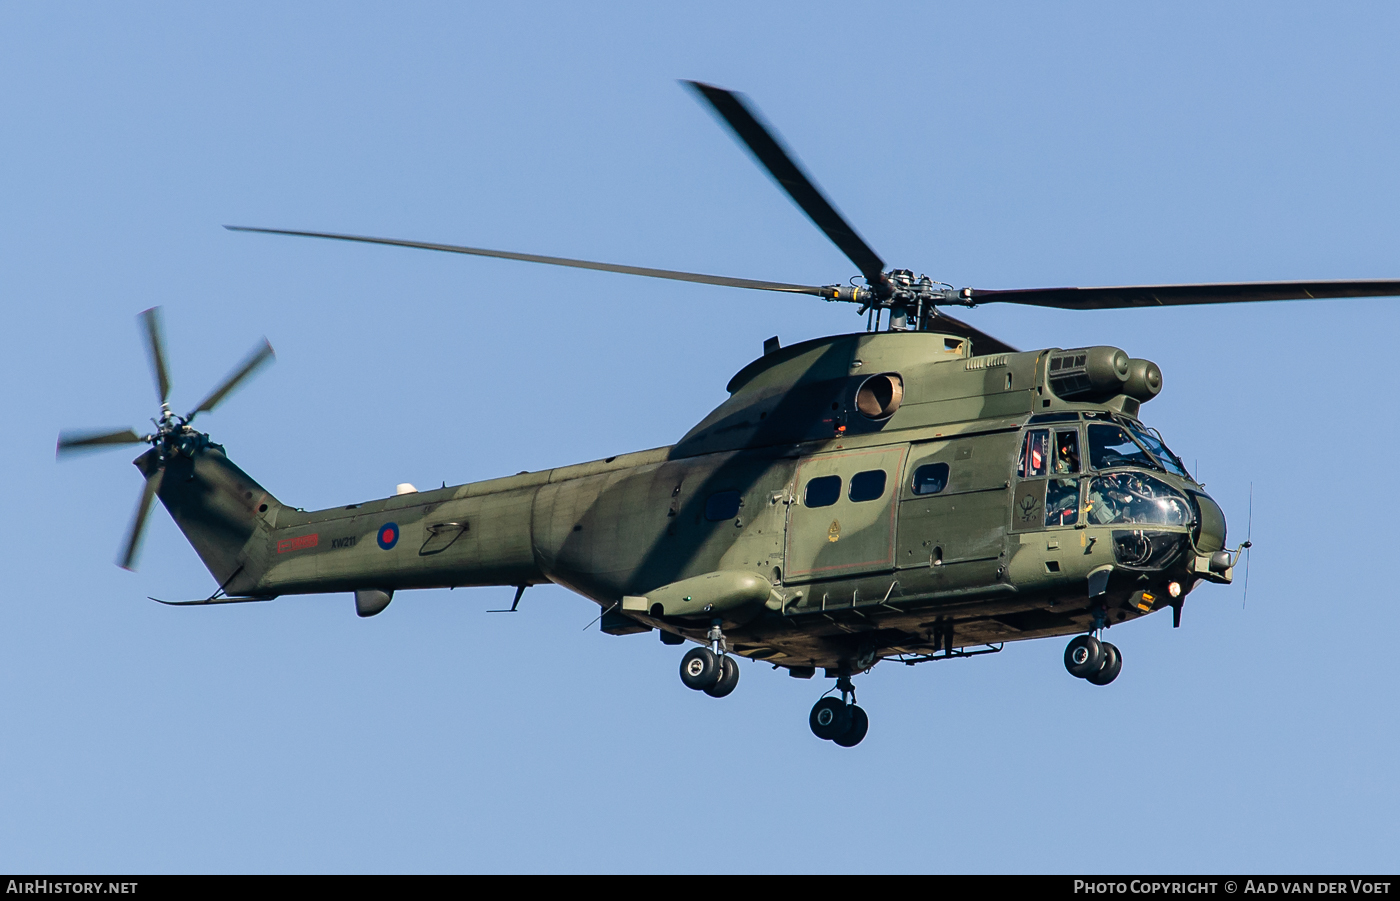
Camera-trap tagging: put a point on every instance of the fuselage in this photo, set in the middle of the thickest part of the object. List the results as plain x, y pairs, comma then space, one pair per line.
856, 498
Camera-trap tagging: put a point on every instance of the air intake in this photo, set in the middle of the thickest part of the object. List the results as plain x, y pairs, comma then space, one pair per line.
879, 396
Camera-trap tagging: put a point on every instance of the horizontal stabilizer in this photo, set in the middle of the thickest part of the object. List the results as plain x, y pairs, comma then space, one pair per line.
202, 602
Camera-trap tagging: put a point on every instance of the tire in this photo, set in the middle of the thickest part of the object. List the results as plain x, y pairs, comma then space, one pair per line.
860, 724
830, 717
1083, 656
1112, 666
699, 668
728, 678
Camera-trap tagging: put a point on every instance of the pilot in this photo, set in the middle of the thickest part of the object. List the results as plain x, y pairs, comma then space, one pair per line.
1067, 458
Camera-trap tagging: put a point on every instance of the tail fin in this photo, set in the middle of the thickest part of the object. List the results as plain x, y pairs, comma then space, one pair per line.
223, 512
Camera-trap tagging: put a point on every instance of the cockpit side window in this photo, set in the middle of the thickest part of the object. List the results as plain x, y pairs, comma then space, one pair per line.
1111, 445
1035, 454
1062, 502
1066, 452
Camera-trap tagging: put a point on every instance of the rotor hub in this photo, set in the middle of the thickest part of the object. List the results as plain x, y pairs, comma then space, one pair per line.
911, 299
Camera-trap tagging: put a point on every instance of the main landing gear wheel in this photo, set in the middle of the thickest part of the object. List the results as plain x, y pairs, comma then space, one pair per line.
701, 669
710, 669
860, 724
1084, 656
839, 719
830, 718
1110, 668
728, 678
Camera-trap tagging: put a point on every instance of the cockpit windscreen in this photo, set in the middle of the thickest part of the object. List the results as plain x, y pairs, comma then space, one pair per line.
1111, 445
1132, 498
1170, 461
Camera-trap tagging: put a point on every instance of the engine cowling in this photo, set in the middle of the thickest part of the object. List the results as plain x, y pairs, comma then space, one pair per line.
1144, 380
1088, 373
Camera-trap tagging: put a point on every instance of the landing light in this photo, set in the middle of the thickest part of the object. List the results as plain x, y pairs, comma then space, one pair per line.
1174, 589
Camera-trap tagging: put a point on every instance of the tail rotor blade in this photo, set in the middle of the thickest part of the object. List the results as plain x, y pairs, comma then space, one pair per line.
259, 356
71, 442
138, 522
155, 349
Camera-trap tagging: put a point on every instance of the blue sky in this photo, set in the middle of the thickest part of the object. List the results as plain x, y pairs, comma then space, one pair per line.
1004, 145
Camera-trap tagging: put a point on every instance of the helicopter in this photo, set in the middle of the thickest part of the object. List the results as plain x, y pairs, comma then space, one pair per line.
913, 492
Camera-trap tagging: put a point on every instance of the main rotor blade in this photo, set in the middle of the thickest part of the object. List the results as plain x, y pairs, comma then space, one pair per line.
1179, 295
982, 343
138, 522
769, 152
69, 442
671, 274
155, 349
260, 355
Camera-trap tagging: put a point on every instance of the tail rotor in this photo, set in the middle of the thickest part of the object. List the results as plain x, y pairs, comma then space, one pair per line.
173, 435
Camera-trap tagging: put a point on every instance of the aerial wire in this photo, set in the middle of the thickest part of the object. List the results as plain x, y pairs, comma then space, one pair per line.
1248, 543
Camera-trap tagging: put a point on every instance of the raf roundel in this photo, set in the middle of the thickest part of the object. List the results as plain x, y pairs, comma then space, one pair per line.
388, 535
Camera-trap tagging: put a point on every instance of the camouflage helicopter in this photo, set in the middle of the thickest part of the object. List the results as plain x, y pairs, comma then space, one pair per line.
913, 492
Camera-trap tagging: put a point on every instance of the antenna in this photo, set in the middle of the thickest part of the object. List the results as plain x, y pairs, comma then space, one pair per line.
615, 605
519, 590
1248, 543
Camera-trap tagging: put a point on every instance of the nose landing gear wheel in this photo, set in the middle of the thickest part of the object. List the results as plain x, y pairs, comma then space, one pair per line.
728, 678
1112, 665
1084, 656
830, 717
860, 724
700, 669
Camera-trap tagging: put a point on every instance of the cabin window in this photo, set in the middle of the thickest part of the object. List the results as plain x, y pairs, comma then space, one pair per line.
822, 492
868, 485
722, 505
1062, 502
1066, 452
931, 478
1035, 454
1111, 445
